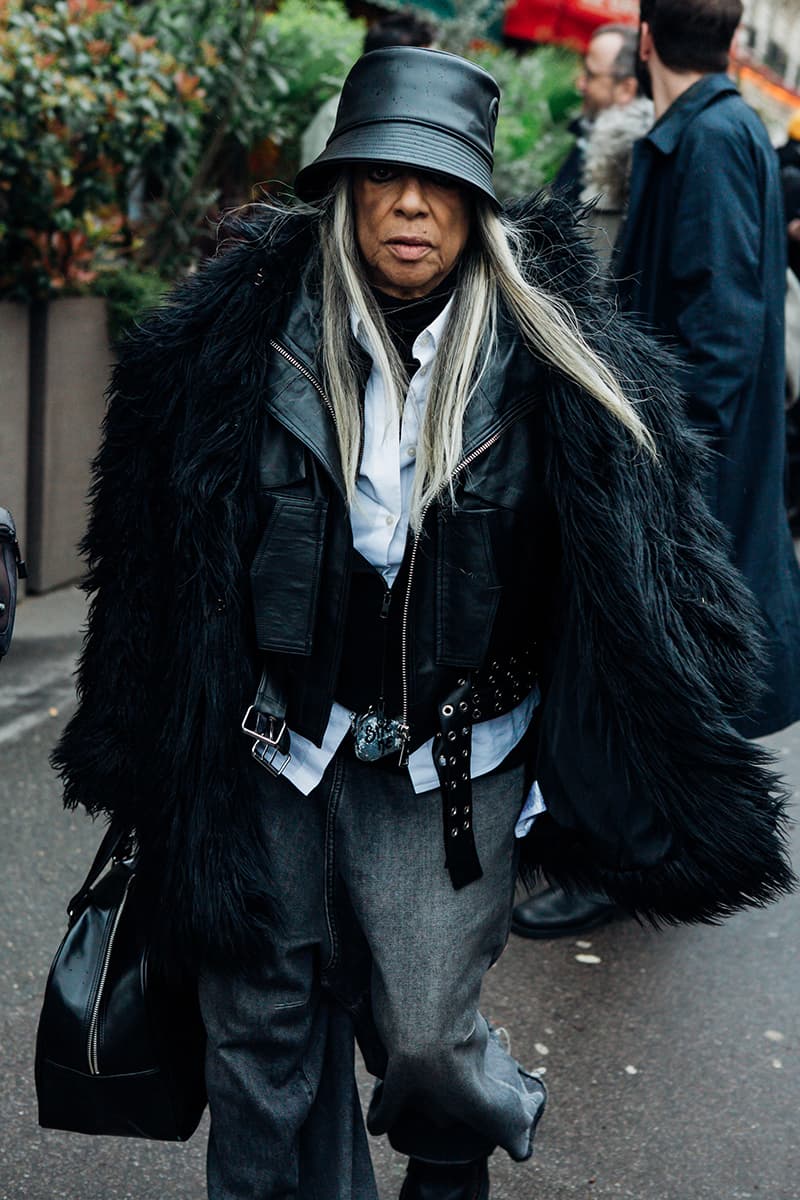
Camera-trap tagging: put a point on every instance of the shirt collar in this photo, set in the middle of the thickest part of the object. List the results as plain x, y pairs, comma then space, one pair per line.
429, 338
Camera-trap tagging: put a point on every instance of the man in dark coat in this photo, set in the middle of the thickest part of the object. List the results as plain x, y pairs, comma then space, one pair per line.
701, 258
383, 480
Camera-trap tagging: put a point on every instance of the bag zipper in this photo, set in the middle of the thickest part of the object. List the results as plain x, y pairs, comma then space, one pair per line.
94, 1024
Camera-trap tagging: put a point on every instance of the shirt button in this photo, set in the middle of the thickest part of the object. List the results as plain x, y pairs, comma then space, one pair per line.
412, 451
390, 520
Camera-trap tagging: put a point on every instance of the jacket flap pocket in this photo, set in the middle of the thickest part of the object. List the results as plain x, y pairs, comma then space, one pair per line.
285, 574
468, 589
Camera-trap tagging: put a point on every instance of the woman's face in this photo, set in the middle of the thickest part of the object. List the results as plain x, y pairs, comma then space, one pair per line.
411, 227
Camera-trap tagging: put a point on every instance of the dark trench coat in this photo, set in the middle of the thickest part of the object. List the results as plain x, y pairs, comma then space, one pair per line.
701, 258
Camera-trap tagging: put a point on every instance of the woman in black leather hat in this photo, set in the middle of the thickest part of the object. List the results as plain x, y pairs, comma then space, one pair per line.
403, 577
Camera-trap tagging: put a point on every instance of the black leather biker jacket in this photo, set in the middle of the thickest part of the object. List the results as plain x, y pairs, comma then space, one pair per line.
476, 581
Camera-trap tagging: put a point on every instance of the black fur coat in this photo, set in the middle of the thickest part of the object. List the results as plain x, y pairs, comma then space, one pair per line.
659, 649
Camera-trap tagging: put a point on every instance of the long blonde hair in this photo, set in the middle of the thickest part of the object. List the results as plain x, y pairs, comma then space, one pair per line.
490, 269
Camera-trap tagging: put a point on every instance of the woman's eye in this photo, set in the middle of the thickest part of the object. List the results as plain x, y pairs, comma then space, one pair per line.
442, 181
382, 174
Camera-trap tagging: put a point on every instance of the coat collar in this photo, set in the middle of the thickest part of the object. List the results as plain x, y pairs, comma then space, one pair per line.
652, 150
668, 130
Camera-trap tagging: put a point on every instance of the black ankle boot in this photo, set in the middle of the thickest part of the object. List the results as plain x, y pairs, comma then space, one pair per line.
446, 1181
555, 913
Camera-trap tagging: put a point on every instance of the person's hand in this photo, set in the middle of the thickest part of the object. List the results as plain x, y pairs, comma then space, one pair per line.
793, 229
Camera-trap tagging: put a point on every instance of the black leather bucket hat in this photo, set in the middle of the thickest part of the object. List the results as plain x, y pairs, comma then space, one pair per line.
419, 108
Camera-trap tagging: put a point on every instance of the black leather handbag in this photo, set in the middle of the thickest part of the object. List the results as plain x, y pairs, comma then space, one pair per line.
119, 1049
11, 568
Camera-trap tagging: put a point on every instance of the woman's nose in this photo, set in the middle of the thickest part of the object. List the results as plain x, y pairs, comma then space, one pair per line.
411, 198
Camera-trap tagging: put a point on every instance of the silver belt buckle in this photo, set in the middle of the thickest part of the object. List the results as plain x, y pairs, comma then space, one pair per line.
266, 741
376, 735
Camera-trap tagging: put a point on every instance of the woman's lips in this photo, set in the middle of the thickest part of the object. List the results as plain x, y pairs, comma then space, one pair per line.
408, 250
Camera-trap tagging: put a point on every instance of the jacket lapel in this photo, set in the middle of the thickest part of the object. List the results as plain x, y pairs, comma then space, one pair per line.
294, 401
295, 395
509, 387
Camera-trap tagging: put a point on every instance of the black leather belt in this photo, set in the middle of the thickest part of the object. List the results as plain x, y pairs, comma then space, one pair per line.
265, 723
490, 694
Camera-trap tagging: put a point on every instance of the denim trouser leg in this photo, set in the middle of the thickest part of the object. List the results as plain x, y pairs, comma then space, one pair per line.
449, 1091
286, 1121
368, 912
334, 1155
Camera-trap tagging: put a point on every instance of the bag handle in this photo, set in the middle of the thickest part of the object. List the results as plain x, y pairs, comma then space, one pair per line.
114, 840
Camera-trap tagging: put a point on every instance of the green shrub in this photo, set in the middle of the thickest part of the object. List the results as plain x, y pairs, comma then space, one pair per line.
129, 292
85, 101
314, 44
538, 100
262, 74
121, 126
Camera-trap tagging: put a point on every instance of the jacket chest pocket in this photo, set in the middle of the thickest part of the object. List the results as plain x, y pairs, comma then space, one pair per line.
285, 573
468, 588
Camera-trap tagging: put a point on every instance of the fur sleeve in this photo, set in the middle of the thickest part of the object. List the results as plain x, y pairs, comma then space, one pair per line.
129, 565
168, 662
170, 425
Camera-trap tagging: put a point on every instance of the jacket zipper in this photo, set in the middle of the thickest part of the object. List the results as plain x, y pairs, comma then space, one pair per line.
304, 371
465, 462
94, 1024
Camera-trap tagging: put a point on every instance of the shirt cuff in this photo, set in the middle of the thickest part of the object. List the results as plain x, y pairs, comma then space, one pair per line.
533, 807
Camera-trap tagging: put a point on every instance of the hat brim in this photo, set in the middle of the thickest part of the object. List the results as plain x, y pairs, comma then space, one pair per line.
408, 143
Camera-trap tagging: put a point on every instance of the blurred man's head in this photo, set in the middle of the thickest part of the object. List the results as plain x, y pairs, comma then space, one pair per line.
399, 29
691, 35
609, 69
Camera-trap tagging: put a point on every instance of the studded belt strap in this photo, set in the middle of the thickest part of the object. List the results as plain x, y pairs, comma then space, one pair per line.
490, 695
452, 751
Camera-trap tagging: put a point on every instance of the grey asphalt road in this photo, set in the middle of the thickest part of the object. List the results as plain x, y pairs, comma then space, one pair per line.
671, 1058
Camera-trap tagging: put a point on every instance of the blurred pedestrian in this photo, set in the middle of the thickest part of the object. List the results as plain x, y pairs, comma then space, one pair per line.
385, 478
607, 168
702, 259
404, 28
607, 77
789, 152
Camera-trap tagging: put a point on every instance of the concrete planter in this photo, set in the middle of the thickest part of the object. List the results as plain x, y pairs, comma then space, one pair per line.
69, 367
14, 389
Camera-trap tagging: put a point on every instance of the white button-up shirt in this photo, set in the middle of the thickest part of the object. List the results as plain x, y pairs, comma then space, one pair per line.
379, 519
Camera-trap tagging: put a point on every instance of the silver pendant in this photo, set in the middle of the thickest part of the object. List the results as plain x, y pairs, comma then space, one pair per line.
376, 735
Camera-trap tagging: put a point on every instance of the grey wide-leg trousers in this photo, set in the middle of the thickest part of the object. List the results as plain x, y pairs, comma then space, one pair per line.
373, 938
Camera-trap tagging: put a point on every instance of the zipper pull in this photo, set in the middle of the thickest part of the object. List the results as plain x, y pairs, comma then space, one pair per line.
403, 731
387, 600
